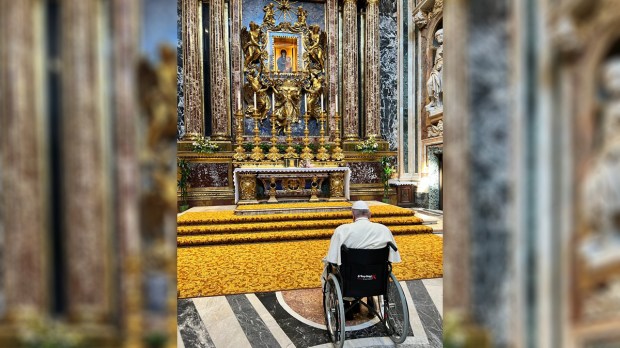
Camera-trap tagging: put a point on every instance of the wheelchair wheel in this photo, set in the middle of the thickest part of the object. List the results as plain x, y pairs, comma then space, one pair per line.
395, 311
333, 307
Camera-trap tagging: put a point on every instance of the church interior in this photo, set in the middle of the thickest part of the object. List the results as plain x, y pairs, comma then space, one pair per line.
153, 197
290, 111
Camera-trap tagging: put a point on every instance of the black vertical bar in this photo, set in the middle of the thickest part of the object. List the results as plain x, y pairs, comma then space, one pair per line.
53, 32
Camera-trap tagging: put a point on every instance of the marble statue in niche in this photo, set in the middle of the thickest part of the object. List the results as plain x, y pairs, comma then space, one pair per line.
434, 83
601, 188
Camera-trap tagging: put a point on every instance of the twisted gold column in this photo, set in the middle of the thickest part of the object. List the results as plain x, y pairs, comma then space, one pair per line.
349, 71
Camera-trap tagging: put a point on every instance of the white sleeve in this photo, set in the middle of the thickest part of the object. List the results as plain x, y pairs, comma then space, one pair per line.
394, 255
333, 254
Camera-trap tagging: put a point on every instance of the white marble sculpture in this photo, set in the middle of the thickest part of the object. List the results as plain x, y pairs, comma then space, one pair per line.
434, 84
601, 189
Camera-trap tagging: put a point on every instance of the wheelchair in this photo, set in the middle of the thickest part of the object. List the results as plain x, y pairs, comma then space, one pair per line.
365, 273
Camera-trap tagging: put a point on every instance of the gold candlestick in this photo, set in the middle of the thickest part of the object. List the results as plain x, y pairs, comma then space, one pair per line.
337, 153
274, 154
322, 153
290, 151
306, 153
257, 153
240, 154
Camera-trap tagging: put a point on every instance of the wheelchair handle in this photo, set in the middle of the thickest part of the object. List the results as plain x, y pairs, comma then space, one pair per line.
392, 246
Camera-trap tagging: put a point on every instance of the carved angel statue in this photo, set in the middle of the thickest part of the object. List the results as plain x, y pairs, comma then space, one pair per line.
601, 188
434, 86
301, 17
269, 15
314, 43
287, 106
252, 48
262, 99
314, 95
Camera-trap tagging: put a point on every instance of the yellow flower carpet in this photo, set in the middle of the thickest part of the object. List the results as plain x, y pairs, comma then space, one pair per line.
221, 253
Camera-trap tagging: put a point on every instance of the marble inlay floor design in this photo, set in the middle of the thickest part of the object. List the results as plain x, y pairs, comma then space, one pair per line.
295, 319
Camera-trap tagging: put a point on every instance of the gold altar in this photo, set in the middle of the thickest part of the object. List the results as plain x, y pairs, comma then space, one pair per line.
287, 184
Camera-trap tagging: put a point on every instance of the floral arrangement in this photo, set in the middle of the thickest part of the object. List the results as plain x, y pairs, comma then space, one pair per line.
389, 168
47, 332
204, 145
183, 182
368, 146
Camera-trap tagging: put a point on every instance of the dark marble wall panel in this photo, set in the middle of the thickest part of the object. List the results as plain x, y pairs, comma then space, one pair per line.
180, 99
253, 11
389, 71
365, 172
209, 175
490, 197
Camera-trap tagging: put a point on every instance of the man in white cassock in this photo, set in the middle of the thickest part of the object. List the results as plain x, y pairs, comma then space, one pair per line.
360, 234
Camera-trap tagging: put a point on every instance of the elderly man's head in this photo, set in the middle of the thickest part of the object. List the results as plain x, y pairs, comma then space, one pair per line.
360, 209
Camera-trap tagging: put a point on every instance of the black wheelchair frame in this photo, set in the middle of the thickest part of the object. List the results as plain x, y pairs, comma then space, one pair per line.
364, 273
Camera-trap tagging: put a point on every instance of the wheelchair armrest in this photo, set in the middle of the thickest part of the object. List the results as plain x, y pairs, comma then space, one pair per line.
392, 246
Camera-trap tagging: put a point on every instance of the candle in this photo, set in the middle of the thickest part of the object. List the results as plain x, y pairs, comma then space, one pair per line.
306, 101
273, 103
336, 102
238, 100
254, 100
322, 109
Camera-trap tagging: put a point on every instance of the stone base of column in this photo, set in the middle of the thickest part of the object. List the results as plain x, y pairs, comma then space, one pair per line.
225, 145
220, 137
350, 144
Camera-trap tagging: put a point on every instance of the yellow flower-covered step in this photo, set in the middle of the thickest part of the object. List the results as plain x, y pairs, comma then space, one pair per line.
214, 217
287, 225
275, 235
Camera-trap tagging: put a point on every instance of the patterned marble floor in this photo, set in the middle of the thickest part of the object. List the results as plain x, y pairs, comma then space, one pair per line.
295, 319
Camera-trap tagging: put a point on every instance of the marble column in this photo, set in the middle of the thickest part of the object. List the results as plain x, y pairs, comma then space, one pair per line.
220, 93
349, 71
332, 61
125, 39
192, 69
235, 52
372, 81
84, 163
24, 256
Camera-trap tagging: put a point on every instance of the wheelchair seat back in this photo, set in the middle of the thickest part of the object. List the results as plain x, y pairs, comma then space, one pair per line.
364, 272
